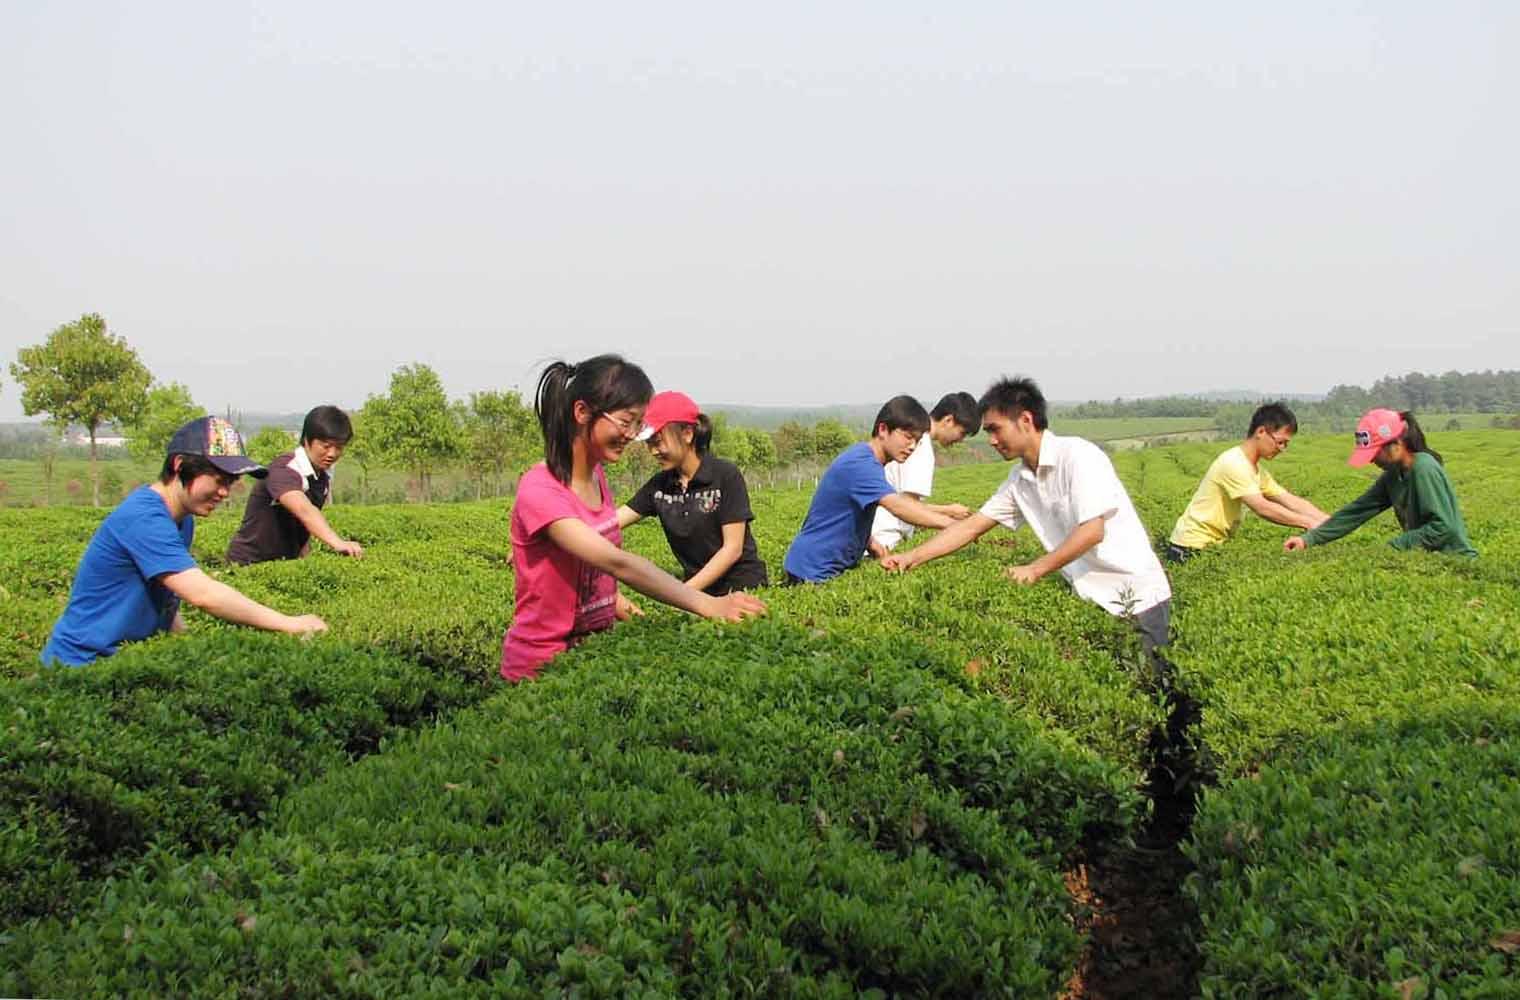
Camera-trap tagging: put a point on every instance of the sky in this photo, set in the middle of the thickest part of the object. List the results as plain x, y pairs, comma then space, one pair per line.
280, 203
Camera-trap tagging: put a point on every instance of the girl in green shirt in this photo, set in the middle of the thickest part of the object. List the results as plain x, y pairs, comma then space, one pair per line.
1414, 483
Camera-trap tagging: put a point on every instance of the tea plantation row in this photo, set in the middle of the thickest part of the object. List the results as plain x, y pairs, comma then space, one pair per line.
877, 788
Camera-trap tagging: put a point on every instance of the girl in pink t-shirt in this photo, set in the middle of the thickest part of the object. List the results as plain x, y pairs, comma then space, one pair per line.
566, 544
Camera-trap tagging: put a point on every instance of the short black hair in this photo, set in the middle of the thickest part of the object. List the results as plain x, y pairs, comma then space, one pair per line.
1273, 416
190, 466
327, 423
961, 406
1013, 396
902, 413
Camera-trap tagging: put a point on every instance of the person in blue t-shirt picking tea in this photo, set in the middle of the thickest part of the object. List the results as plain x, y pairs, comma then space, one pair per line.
836, 533
137, 567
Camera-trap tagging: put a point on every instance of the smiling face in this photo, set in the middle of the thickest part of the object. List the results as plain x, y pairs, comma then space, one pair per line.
897, 444
324, 452
671, 444
607, 434
206, 492
1011, 437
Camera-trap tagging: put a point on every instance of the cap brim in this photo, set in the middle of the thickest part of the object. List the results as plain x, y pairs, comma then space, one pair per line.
1361, 456
238, 465
645, 434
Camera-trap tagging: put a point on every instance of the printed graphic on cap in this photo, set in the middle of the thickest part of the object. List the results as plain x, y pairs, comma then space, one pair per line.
222, 438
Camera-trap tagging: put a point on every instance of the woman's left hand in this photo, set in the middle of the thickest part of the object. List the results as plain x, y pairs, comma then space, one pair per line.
625, 609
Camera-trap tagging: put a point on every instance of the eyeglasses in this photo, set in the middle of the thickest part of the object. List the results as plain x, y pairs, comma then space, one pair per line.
1281, 442
628, 428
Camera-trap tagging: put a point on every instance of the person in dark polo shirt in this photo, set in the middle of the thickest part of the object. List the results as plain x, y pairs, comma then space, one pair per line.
701, 500
285, 508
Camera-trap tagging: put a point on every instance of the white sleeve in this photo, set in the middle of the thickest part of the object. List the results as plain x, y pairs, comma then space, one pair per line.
917, 474
1003, 508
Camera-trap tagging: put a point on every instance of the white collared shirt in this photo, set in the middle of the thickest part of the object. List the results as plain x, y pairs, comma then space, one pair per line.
1076, 482
301, 462
916, 475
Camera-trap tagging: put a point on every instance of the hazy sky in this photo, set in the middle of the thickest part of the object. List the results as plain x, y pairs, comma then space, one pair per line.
279, 203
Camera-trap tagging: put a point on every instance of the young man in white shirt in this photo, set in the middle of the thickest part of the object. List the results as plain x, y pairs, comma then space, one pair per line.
1066, 490
953, 419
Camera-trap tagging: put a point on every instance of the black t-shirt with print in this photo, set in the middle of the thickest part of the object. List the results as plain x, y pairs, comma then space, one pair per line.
693, 520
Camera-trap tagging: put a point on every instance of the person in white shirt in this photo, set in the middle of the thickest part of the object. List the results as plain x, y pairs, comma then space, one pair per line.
953, 419
1066, 490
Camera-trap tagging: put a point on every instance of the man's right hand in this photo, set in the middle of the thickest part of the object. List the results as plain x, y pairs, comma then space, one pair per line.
1295, 544
897, 563
347, 548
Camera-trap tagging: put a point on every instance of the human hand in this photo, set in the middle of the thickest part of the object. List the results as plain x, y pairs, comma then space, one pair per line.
625, 609
897, 564
736, 607
306, 625
1295, 544
347, 548
1025, 575
956, 510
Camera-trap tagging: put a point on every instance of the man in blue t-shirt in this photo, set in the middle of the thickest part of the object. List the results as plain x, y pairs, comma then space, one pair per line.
138, 566
837, 529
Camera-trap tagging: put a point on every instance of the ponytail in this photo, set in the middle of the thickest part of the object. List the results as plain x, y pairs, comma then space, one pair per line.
701, 434
604, 383
1413, 437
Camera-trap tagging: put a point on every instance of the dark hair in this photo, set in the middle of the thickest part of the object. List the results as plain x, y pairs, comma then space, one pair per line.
1413, 437
902, 413
961, 406
190, 466
604, 383
327, 423
1273, 416
1013, 396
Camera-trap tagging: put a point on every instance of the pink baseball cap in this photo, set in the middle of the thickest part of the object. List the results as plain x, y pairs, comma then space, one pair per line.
666, 408
1375, 429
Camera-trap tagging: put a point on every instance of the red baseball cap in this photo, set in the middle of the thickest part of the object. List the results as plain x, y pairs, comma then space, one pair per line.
1375, 429
666, 408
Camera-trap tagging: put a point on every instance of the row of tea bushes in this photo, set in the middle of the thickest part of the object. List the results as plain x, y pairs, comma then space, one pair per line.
183, 742
673, 809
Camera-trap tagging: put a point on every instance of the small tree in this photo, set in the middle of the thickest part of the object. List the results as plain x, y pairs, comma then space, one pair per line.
794, 442
501, 437
830, 437
166, 408
270, 443
414, 425
82, 375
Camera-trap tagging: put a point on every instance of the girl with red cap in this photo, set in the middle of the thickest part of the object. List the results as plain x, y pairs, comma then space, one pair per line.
1414, 483
701, 500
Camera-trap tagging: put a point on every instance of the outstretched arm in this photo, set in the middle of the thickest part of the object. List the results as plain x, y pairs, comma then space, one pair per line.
958, 535
723, 559
311, 517
627, 515
1274, 510
216, 598
1082, 538
904, 507
580, 540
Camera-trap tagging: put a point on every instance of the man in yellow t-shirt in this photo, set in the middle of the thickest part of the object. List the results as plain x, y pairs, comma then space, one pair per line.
1236, 480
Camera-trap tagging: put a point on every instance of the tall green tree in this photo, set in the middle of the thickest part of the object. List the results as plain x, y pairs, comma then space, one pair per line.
413, 425
270, 443
82, 375
501, 437
830, 437
166, 408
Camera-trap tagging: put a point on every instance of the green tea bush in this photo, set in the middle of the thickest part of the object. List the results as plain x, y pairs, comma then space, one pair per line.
1374, 863
752, 810
183, 741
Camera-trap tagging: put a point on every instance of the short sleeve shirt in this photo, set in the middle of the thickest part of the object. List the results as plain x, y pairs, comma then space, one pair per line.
916, 475
693, 518
118, 594
269, 530
838, 522
559, 598
1215, 510
1074, 483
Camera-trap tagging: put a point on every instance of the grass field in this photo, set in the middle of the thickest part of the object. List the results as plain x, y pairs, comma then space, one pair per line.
898, 784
